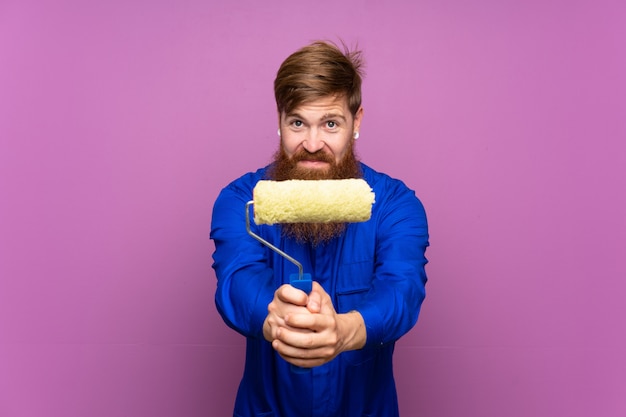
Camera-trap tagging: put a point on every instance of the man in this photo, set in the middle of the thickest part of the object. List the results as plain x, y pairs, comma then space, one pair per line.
369, 277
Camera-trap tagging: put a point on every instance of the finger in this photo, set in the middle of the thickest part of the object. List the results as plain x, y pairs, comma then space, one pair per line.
319, 299
302, 357
314, 302
296, 337
288, 294
327, 308
307, 339
311, 322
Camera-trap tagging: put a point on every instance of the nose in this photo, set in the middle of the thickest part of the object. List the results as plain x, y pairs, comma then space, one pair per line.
313, 142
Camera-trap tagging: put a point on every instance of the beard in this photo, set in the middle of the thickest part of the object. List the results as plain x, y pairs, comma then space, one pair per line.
286, 168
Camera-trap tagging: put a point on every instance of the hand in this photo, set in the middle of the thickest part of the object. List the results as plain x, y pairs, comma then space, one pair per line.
287, 300
310, 332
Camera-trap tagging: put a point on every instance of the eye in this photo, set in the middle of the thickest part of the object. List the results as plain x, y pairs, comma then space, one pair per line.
297, 123
331, 124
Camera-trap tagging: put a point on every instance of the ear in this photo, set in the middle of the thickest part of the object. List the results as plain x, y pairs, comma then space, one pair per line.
357, 120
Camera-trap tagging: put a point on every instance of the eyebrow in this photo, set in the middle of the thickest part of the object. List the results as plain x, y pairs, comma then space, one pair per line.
326, 116
333, 116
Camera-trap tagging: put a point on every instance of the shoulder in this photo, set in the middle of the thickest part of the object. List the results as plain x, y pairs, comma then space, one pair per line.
397, 212
392, 196
383, 184
229, 206
245, 183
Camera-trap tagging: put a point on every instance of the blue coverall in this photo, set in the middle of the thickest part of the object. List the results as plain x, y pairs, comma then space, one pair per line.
375, 267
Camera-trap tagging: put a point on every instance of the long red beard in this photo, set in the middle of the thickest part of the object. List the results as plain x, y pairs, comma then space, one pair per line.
285, 168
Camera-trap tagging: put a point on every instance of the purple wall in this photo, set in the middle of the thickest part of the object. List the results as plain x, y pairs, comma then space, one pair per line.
120, 122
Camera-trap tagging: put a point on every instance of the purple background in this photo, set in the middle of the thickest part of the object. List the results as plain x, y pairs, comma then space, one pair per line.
120, 122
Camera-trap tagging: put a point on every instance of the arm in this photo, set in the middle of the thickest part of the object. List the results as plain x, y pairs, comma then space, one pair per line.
245, 283
392, 305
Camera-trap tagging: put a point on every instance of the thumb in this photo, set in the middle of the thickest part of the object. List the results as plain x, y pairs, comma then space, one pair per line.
314, 302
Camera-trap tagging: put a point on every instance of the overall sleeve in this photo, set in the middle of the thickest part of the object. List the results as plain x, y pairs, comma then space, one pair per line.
391, 307
245, 284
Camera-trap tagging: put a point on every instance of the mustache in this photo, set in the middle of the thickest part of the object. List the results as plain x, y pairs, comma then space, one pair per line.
304, 155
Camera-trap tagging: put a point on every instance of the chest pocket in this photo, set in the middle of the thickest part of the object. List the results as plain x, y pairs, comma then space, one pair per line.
353, 283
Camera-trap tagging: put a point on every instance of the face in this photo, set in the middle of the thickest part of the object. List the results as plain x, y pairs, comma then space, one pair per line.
316, 143
319, 133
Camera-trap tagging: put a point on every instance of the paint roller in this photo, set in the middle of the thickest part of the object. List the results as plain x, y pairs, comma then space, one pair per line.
308, 201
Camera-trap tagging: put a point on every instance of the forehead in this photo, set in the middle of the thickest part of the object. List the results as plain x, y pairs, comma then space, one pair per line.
319, 108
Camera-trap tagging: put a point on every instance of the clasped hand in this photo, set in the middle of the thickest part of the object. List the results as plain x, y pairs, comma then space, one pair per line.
306, 330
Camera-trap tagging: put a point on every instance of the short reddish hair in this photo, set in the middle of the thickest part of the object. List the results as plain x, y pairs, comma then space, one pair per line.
319, 70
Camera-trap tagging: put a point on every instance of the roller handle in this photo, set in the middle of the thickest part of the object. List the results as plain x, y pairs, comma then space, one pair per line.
304, 283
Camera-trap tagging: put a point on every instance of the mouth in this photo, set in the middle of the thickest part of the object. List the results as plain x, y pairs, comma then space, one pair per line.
313, 164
